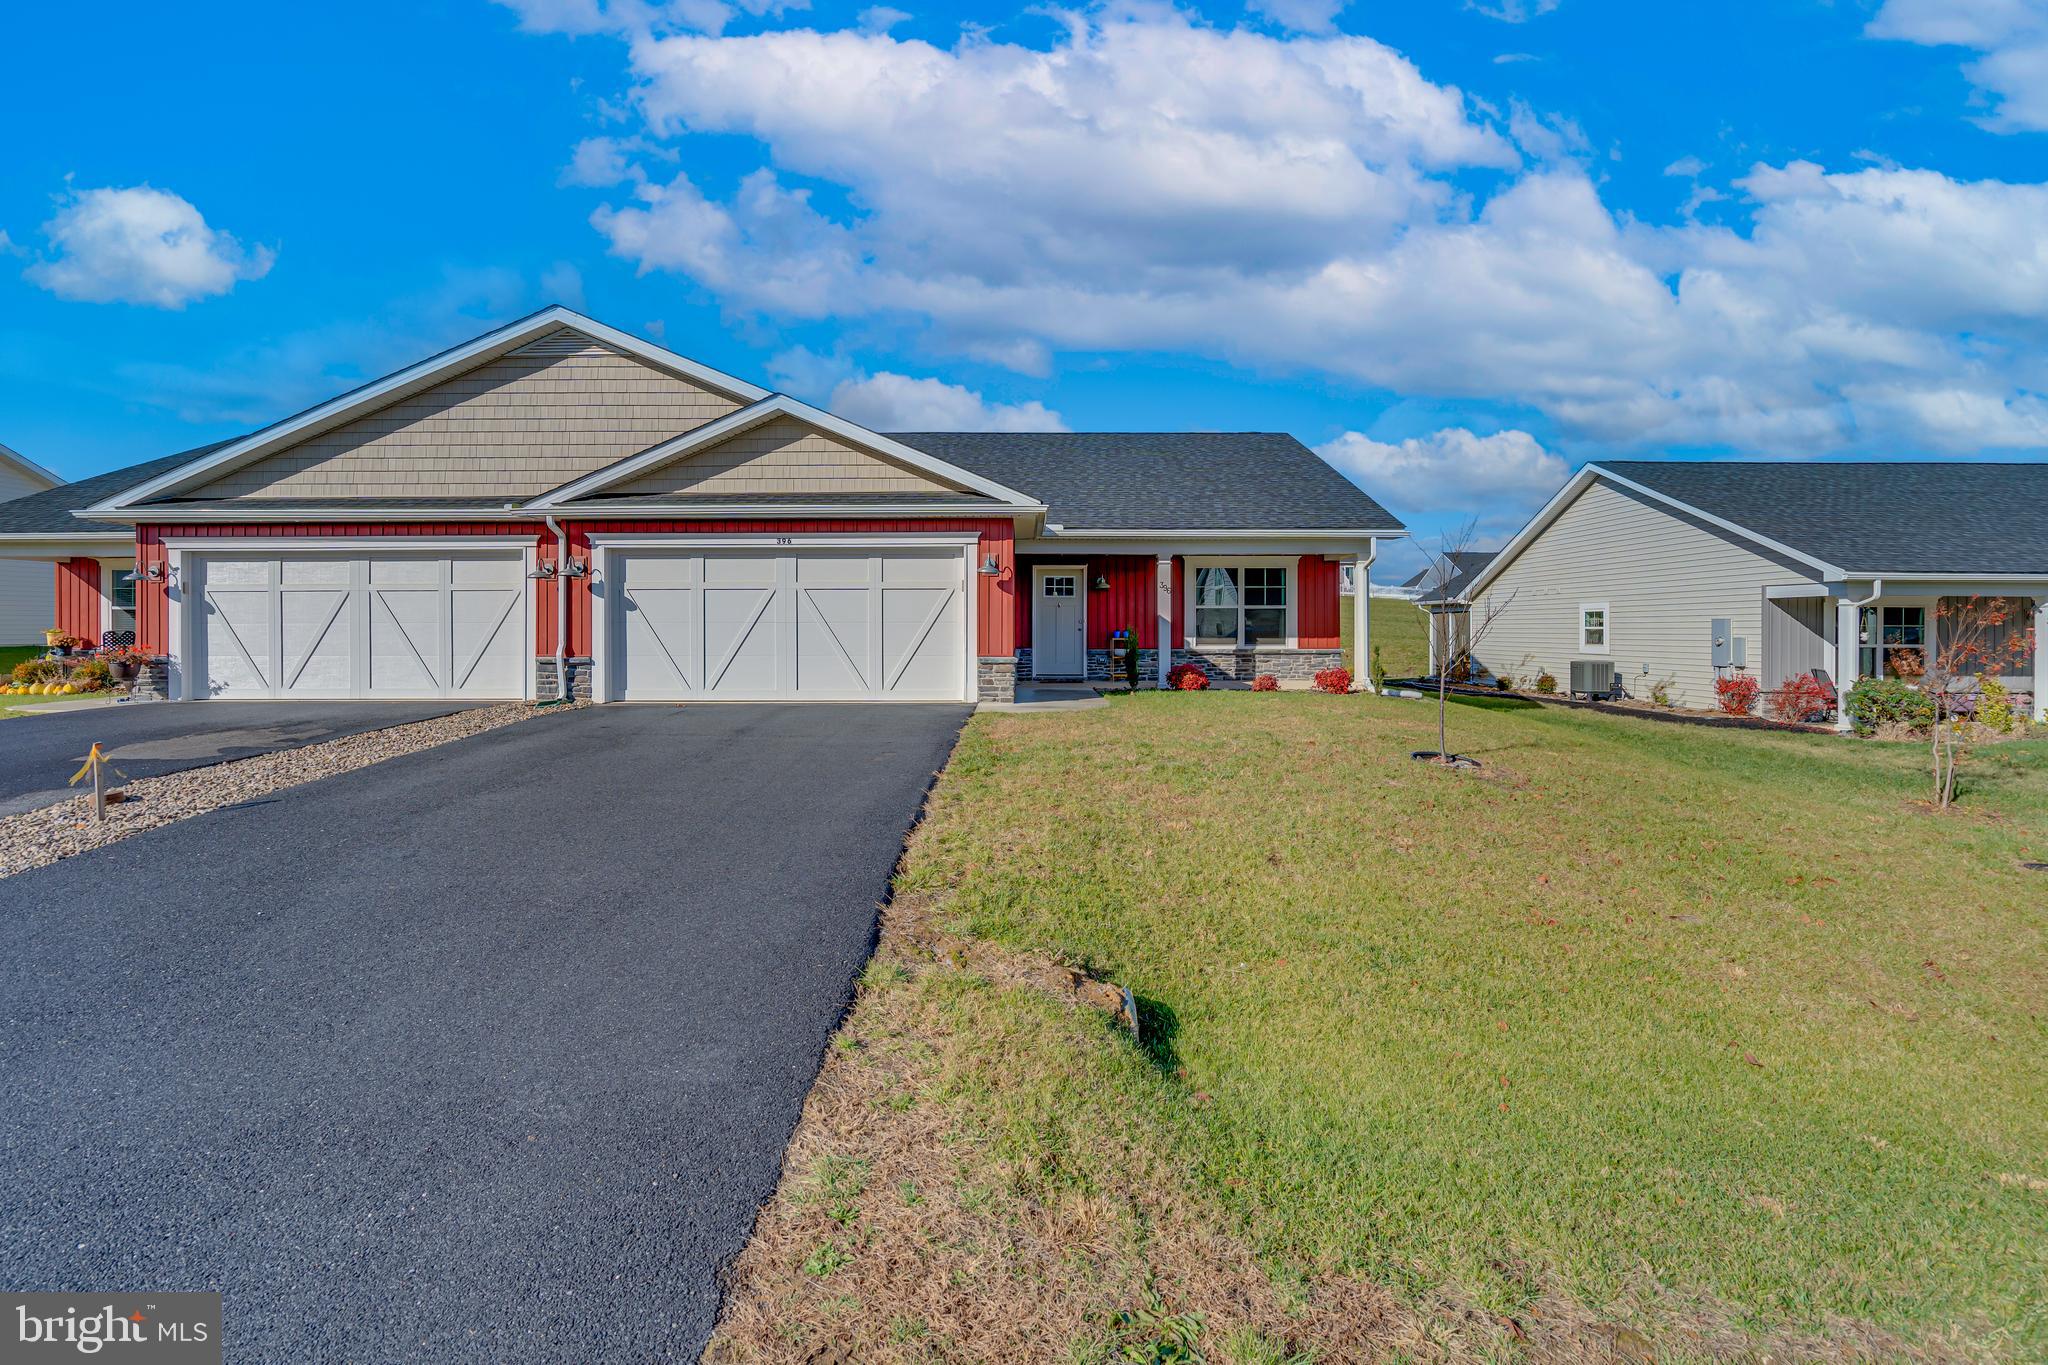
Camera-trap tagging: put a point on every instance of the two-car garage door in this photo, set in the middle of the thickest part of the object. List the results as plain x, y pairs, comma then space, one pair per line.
806, 625
358, 625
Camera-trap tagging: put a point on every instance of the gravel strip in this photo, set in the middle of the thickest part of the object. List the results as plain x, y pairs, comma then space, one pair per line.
38, 838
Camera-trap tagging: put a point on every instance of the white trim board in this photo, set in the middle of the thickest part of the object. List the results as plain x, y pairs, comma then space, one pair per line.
774, 405
369, 397
1079, 573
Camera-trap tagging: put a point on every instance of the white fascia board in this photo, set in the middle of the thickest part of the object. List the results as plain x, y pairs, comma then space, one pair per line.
1272, 532
155, 516
768, 512
755, 540
1578, 483
395, 544
771, 406
29, 467
46, 547
426, 373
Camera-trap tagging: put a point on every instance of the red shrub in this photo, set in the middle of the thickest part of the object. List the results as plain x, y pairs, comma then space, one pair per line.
1187, 678
1333, 680
1737, 693
1802, 698
1265, 682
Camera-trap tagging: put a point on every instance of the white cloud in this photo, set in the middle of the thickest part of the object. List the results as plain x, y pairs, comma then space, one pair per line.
897, 402
1303, 16
1308, 204
882, 18
1512, 11
140, 245
601, 162
2011, 37
562, 283
1452, 471
1686, 167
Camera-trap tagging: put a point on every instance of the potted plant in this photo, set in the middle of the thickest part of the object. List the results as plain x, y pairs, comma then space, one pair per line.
123, 664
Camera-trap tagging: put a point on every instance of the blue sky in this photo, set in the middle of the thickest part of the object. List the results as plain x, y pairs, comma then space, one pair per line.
1460, 248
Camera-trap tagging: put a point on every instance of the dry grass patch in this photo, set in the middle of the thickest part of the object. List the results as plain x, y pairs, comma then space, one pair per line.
1699, 1042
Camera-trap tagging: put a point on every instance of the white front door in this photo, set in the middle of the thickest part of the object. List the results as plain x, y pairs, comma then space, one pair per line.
358, 625
1059, 621
776, 624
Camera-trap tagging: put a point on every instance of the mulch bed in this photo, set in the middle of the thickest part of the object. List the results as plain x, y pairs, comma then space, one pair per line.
1427, 686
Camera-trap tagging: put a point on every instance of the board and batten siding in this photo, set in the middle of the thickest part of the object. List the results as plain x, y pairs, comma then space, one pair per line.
516, 427
25, 586
1665, 577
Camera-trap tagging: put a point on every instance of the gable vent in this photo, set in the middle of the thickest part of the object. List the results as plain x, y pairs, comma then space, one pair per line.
563, 341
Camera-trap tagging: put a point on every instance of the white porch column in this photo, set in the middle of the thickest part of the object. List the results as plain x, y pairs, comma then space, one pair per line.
1846, 616
1361, 617
1164, 641
2041, 658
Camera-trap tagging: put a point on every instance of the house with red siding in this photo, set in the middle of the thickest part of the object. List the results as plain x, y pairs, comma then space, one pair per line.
559, 506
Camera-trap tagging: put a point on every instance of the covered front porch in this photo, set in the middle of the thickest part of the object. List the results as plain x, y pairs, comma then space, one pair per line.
1236, 610
1901, 628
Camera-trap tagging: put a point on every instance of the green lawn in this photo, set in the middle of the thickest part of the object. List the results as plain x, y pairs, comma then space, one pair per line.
1399, 631
1663, 1020
10, 655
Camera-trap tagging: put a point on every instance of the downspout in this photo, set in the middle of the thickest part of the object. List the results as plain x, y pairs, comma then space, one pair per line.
1849, 649
561, 612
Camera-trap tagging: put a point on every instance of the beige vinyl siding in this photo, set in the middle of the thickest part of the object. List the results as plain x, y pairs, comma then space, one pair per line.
1665, 578
780, 457
28, 591
512, 428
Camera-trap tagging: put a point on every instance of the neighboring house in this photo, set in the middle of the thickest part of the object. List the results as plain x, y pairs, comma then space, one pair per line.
1443, 600
1686, 570
722, 542
24, 585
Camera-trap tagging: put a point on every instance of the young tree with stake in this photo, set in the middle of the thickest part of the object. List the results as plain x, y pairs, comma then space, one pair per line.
1439, 577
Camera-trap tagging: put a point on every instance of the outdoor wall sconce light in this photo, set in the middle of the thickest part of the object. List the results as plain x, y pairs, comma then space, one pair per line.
1101, 584
546, 570
578, 569
990, 568
154, 573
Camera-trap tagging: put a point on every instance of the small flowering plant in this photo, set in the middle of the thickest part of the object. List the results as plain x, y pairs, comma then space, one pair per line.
1265, 682
1187, 678
1335, 681
128, 656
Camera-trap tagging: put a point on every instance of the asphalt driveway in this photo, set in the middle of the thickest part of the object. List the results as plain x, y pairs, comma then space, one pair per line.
487, 1052
38, 754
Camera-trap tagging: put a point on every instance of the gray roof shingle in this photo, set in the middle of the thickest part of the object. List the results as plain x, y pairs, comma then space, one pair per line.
1089, 480
1464, 563
48, 513
1948, 517
1142, 480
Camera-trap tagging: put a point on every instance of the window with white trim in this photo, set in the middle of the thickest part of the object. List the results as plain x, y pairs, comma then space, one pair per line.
1058, 585
1240, 605
1593, 626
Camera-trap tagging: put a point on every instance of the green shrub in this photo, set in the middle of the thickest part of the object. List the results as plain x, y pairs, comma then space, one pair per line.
1545, 683
92, 675
1994, 705
1874, 702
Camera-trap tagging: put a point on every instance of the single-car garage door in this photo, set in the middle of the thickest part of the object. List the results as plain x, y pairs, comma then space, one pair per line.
807, 625
358, 625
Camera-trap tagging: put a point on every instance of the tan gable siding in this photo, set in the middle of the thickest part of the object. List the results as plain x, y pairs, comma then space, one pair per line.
513, 428
1665, 578
781, 456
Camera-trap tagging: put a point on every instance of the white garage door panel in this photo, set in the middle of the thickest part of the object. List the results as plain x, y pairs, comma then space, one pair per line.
352, 625
820, 625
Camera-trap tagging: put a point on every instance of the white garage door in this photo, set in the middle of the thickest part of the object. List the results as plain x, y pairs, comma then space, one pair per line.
351, 625
812, 625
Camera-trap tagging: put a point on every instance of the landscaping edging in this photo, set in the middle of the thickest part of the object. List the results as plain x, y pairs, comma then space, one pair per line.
38, 838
